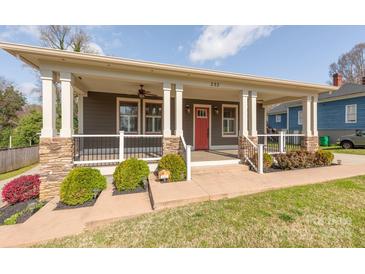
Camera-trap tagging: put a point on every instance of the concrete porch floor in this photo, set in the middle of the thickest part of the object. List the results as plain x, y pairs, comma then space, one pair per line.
214, 155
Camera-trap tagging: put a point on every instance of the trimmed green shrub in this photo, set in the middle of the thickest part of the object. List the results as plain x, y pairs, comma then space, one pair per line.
324, 157
82, 184
129, 175
268, 160
175, 164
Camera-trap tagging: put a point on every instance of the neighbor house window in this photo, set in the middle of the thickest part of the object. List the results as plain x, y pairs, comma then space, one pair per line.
300, 117
153, 117
351, 113
278, 118
229, 120
128, 115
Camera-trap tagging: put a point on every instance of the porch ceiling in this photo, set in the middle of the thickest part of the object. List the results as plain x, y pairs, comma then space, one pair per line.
113, 85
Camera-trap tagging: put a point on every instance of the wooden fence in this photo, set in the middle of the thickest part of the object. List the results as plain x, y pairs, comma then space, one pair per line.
15, 158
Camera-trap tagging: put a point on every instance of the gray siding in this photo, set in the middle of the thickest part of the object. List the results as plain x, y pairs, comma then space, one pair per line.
100, 117
335, 134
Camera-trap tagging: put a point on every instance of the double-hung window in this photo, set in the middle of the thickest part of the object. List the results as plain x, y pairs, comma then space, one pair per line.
128, 116
300, 117
351, 114
153, 117
278, 118
229, 120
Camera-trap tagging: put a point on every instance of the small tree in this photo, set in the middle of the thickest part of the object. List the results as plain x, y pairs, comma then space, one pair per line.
27, 132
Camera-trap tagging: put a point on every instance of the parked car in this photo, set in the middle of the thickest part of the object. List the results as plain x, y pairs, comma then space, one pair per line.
352, 141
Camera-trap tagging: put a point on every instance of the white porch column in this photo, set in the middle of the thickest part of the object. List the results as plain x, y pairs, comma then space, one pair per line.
243, 113
252, 112
179, 110
166, 109
80, 113
265, 119
66, 105
48, 104
314, 115
307, 116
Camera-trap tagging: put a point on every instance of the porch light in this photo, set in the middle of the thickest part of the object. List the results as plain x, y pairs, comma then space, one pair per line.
187, 108
215, 108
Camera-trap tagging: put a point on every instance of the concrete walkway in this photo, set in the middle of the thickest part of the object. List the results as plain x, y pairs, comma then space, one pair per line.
217, 183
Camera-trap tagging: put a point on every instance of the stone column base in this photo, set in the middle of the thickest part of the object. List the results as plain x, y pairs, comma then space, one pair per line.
310, 143
171, 145
56, 160
244, 146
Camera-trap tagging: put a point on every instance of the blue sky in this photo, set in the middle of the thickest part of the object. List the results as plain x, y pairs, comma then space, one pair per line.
290, 52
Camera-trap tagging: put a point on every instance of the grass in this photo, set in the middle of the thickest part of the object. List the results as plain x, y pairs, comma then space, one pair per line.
338, 149
323, 215
14, 173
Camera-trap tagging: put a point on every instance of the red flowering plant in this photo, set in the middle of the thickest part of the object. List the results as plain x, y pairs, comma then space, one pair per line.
21, 189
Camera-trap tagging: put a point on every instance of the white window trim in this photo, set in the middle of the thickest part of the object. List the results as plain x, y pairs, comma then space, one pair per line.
210, 122
278, 118
346, 113
144, 115
236, 120
300, 121
135, 100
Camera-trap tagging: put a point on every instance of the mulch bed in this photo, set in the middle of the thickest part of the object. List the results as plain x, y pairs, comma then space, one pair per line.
140, 189
9, 210
277, 169
61, 206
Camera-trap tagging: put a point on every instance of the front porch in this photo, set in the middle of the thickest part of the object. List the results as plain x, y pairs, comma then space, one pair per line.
113, 109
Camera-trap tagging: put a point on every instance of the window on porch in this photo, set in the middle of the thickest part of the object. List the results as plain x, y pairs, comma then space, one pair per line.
153, 118
229, 117
128, 112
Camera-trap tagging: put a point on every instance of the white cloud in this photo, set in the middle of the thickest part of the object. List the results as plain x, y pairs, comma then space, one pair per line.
180, 48
12, 33
31, 91
96, 48
219, 42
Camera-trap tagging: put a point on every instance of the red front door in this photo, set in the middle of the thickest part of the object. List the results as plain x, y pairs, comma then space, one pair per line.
201, 128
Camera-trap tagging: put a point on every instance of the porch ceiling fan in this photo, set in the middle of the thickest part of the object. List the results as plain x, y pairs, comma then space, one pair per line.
142, 93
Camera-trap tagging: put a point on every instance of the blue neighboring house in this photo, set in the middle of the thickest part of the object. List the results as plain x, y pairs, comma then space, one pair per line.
339, 113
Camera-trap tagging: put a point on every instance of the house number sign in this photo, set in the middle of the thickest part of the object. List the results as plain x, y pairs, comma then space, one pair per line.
214, 84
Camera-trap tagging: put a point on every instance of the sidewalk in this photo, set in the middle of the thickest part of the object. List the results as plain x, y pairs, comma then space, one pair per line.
49, 224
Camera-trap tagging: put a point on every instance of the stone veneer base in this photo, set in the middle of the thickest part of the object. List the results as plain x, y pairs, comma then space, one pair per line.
171, 145
55, 157
310, 143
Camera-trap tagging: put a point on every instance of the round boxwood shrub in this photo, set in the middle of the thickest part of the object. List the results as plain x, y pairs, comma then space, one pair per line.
324, 157
82, 184
268, 160
129, 175
175, 164
21, 189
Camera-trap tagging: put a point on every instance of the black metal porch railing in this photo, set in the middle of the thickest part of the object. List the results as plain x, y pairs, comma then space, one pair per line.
146, 147
111, 149
280, 143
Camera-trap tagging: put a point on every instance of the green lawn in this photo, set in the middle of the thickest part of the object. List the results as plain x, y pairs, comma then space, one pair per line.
322, 215
338, 149
15, 173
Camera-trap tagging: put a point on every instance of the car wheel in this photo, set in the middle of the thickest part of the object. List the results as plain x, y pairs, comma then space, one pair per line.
347, 145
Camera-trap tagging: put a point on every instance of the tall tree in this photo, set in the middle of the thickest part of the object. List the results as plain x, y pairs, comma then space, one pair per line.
66, 38
11, 101
351, 65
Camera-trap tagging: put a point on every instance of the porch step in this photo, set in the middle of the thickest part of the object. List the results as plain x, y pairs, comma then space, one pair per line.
215, 163
219, 169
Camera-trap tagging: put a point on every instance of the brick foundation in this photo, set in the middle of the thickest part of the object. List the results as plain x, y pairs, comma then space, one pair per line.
244, 145
171, 145
310, 143
55, 157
